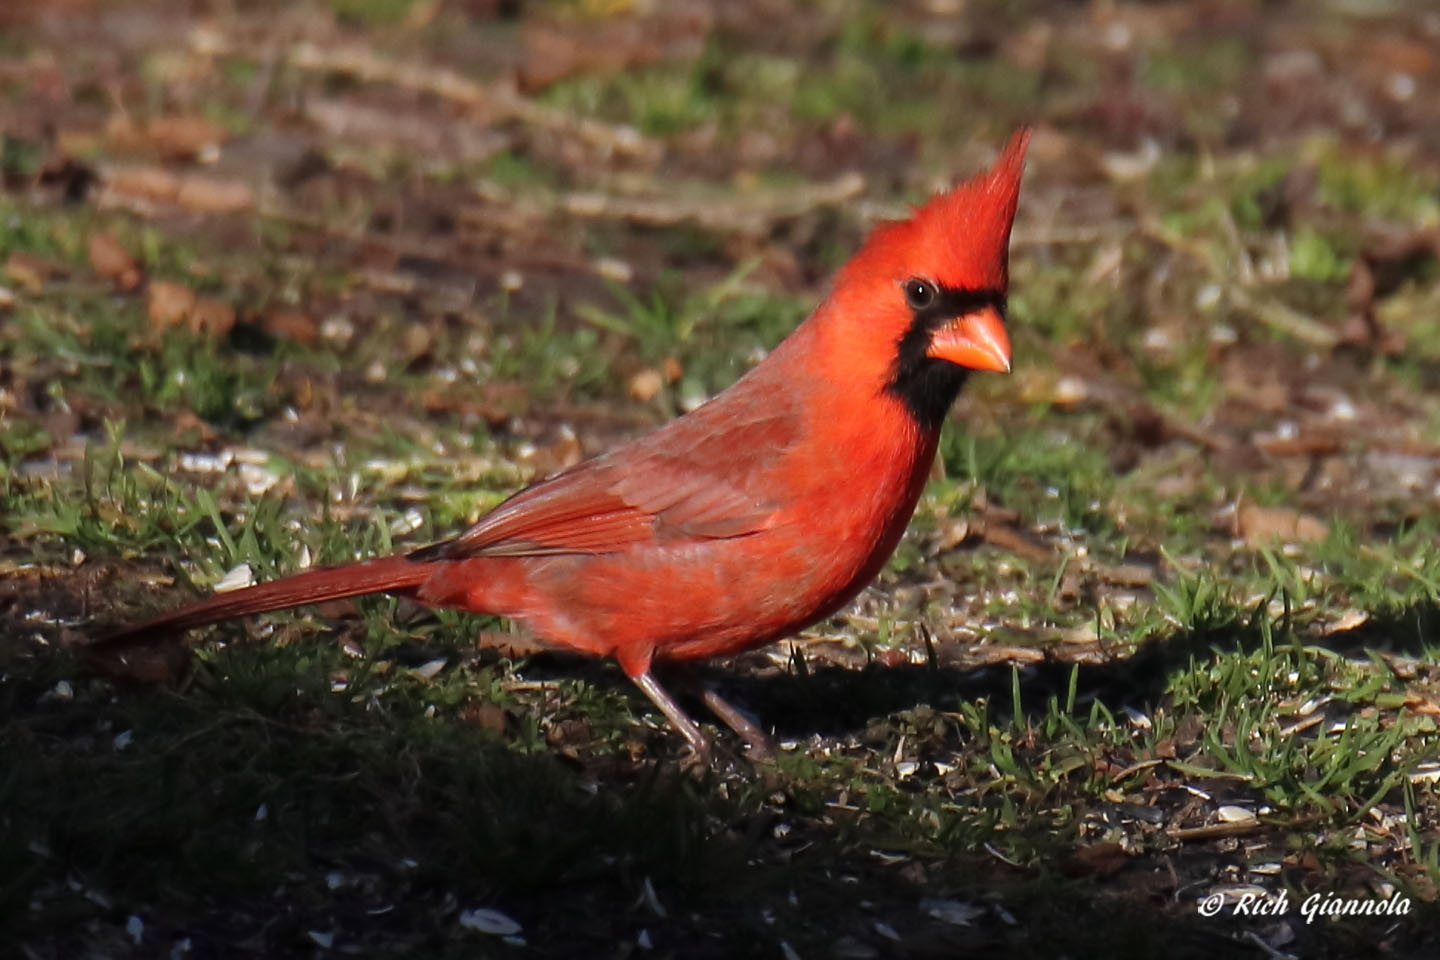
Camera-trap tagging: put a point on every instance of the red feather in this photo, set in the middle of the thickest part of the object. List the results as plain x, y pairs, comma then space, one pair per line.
761, 512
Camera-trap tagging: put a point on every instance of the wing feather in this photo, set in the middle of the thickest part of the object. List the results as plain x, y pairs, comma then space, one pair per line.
700, 477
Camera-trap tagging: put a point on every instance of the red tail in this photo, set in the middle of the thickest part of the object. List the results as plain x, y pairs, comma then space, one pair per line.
384, 574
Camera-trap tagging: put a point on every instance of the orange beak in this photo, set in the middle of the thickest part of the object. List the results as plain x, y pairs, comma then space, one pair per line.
976, 340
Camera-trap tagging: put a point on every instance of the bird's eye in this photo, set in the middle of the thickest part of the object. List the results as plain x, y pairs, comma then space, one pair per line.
920, 294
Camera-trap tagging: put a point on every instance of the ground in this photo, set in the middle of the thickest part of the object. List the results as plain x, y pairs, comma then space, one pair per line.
1153, 673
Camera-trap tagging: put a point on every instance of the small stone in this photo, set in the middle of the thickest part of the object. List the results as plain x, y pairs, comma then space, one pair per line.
644, 385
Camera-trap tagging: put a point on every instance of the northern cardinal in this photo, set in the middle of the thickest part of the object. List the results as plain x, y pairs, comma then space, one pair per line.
761, 512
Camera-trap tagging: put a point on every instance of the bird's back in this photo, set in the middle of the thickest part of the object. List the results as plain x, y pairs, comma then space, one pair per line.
754, 515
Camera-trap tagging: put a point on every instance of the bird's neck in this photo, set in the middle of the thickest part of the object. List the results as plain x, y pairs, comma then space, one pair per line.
927, 389
848, 346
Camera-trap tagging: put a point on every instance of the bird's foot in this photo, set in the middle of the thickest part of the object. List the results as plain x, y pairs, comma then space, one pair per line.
762, 747
679, 719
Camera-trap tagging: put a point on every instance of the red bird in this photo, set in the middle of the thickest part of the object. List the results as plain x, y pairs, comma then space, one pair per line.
761, 512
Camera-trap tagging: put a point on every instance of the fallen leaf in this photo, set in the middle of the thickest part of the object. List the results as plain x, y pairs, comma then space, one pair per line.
165, 662
1391, 53
566, 735
78, 142
1007, 537
1419, 703
292, 325
212, 317
672, 369
1096, 860
171, 304
1070, 588
143, 183
556, 50
891, 657
215, 195
113, 262
1260, 526
1386, 262
30, 271
168, 303
1349, 619
184, 137
1126, 574
496, 406
486, 716
416, 341
186, 421
1085, 633
565, 452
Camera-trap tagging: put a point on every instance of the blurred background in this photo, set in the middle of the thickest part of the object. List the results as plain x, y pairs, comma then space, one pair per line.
289, 283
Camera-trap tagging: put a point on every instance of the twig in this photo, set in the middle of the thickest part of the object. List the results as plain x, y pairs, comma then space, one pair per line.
1214, 831
497, 100
747, 215
1287, 320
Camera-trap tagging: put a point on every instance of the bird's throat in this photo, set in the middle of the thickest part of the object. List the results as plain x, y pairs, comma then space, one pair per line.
927, 387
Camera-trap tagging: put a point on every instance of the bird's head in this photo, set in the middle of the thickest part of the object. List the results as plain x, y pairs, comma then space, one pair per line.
927, 294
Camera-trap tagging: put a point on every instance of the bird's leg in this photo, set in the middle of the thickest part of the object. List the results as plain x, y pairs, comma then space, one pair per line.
688, 728
761, 746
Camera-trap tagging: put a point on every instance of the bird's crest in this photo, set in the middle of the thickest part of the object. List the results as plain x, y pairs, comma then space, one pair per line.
959, 238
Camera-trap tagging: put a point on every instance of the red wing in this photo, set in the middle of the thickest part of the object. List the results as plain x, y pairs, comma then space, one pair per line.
686, 481
553, 517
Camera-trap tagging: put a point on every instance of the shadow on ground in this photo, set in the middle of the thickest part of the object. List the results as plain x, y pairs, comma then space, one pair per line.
255, 814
